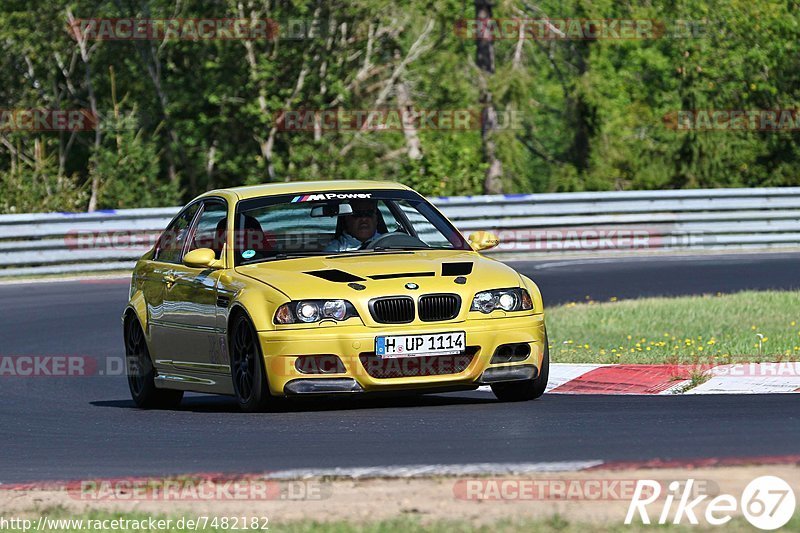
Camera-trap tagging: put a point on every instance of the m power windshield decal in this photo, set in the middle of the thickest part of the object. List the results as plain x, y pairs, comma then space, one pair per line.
331, 196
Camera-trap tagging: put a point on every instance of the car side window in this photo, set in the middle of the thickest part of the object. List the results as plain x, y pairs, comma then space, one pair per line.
171, 242
427, 232
391, 222
211, 229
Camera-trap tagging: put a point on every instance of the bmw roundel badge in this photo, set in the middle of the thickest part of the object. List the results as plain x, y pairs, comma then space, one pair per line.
412, 286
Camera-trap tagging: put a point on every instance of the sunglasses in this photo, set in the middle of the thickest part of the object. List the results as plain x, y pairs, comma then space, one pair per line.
364, 213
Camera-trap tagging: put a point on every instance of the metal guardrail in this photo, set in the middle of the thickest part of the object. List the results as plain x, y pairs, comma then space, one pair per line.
557, 223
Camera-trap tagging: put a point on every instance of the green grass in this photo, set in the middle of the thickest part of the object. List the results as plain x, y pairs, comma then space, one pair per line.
721, 328
554, 523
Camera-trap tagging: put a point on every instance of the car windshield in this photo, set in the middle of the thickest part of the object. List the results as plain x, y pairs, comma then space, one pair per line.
334, 222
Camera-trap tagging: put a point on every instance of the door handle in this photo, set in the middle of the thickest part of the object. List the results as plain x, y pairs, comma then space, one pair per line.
170, 280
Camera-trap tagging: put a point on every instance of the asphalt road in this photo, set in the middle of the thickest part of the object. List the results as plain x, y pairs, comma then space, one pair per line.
70, 428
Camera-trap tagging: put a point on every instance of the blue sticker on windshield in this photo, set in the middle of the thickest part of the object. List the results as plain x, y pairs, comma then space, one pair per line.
247, 254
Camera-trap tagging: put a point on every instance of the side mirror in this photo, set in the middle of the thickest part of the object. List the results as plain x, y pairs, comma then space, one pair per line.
202, 258
331, 210
483, 240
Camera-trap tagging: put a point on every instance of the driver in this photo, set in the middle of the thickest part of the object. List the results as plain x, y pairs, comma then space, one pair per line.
360, 227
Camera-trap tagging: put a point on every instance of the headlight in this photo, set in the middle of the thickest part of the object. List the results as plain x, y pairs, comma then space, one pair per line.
309, 311
335, 309
515, 299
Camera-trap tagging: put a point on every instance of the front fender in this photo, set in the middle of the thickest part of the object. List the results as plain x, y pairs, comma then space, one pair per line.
536, 294
258, 300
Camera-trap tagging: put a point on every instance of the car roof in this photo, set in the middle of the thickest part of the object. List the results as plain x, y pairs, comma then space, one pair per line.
301, 187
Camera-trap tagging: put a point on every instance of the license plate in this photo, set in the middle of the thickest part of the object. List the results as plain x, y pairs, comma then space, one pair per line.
392, 346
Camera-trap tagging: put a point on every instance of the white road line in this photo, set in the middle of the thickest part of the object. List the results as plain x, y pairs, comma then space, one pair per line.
414, 471
66, 279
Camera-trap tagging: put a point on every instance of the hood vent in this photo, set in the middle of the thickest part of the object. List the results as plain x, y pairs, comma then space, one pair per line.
403, 275
456, 269
337, 276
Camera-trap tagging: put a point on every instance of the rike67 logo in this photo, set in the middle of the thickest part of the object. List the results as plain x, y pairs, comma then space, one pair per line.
768, 502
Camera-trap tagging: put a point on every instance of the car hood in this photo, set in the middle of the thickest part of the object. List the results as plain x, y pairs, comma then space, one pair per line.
383, 273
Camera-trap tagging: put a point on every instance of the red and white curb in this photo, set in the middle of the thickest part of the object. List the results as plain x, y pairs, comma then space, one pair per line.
739, 378
618, 379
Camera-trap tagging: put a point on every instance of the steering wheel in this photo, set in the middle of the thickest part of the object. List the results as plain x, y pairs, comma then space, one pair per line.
395, 239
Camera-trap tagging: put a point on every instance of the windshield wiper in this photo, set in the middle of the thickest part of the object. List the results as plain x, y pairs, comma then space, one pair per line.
284, 255
390, 248
380, 249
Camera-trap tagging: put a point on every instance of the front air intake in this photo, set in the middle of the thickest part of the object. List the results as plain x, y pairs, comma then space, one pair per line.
511, 353
418, 366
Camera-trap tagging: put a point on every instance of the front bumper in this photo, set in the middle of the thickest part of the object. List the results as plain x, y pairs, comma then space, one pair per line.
354, 345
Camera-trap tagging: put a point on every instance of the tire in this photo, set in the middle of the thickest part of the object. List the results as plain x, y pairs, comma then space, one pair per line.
141, 373
529, 389
250, 385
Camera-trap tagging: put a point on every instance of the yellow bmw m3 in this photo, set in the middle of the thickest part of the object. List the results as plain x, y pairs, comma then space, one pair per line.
321, 288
